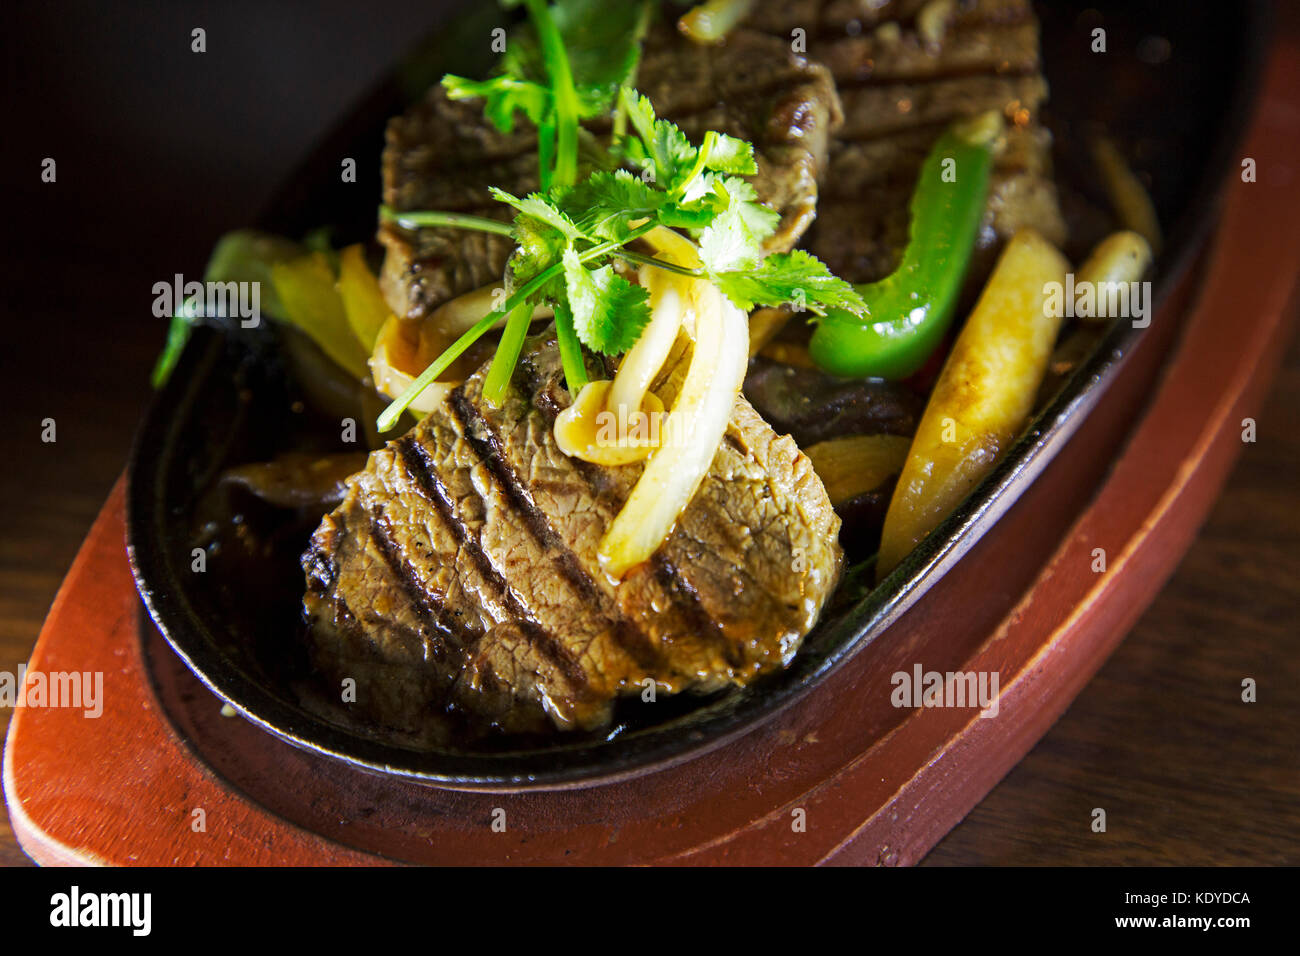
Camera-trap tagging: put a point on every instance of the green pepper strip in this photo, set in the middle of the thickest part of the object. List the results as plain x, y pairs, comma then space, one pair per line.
239, 256
912, 307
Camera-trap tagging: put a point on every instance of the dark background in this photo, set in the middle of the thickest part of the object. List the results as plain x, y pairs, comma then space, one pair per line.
160, 150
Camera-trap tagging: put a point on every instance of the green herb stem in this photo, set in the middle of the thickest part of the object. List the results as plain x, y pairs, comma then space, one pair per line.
507, 353
546, 152
619, 132
422, 218
566, 96
660, 263
459, 221
575, 366
388, 418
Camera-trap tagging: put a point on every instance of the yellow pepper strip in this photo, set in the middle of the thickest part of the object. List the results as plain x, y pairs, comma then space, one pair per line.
855, 464
362, 301
764, 324
1131, 202
306, 290
982, 397
1119, 259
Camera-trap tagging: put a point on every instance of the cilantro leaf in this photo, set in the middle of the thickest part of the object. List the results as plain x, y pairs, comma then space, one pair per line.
728, 243
566, 64
664, 144
603, 41
731, 155
761, 220
791, 277
733, 239
503, 95
540, 207
603, 46
539, 248
605, 203
689, 216
609, 312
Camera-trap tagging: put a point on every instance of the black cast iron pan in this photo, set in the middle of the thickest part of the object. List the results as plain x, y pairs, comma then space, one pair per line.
1181, 110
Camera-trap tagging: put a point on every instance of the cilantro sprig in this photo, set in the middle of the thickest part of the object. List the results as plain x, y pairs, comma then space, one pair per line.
569, 233
568, 237
564, 66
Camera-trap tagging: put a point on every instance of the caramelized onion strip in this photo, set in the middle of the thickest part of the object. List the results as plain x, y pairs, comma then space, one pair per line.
691, 434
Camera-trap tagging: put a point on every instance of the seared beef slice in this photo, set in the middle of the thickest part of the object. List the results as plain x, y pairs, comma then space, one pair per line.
459, 576
904, 70
444, 155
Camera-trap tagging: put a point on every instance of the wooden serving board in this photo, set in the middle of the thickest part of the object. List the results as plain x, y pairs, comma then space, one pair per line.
842, 776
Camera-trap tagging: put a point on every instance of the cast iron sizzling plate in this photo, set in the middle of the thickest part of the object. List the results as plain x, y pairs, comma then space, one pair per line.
214, 411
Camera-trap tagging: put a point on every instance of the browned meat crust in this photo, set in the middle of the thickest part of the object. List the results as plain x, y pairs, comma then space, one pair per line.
459, 576
899, 90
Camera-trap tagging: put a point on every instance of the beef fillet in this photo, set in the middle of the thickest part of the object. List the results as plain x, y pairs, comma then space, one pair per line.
458, 582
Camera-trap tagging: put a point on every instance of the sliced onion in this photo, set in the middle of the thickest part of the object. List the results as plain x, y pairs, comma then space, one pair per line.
404, 348
593, 431
456, 316
397, 360
691, 434
672, 307
578, 429
712, 20
669, 301
855, 464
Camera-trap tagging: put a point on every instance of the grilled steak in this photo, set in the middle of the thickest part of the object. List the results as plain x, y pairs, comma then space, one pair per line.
903, 76
444, 155
458, 582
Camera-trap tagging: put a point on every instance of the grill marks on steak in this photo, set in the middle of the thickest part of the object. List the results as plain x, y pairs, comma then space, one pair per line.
443, 154
459, 576
898, 94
